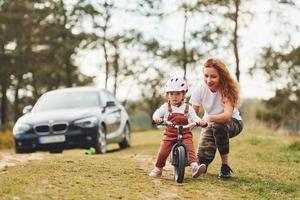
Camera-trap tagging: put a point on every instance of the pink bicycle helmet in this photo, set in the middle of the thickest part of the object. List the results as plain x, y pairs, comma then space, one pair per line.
176, 84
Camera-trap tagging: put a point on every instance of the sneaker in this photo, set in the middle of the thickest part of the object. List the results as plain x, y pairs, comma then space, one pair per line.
198, 170
225, 171
156, 172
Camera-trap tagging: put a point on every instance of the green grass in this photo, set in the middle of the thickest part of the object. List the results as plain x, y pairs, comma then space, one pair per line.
266, 166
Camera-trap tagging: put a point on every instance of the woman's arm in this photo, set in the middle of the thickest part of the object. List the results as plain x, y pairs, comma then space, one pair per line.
197, 109
223, 117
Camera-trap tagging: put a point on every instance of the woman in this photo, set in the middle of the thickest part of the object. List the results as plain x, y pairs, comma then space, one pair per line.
219, 97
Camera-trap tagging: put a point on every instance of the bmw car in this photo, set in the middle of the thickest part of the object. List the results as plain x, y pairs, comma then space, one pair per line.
81, 117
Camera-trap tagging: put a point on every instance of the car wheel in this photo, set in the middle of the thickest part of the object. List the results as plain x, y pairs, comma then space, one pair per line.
127, 137
101, 140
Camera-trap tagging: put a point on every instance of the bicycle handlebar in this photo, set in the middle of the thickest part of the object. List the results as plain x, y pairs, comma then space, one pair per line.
190, 125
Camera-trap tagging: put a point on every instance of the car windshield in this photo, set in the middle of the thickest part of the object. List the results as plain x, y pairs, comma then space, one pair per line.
54, 101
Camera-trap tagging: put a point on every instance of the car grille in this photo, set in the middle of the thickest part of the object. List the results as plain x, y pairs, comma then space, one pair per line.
44, 129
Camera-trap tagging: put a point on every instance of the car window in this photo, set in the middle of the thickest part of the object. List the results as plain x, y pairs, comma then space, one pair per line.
111, 97
52, 101
104, 98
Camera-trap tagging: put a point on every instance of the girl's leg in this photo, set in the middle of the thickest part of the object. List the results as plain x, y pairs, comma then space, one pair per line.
164, 151
188, 142
197, 169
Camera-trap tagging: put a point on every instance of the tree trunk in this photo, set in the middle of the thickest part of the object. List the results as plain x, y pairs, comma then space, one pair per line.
184, 45
116, 68
35, 88
17, 100
106, 62
107, 18
4, 105
69, 72
235, 39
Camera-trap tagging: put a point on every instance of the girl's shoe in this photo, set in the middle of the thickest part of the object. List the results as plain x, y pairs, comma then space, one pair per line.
156, 172
198, 170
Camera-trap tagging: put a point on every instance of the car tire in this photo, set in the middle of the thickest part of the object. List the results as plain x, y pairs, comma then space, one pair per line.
127, 137
101, 140
56, 151
17, 150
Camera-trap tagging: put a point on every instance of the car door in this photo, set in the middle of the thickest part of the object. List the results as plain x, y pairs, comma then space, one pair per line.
112, 114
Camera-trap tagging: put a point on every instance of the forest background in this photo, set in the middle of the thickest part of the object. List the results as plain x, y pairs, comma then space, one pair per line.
132, 48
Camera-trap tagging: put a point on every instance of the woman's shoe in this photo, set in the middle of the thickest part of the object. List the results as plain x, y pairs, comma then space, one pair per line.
225, 171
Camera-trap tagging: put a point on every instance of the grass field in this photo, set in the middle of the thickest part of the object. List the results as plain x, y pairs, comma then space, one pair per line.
266, 166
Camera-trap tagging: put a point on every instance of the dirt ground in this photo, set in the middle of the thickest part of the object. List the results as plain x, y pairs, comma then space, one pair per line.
9, 158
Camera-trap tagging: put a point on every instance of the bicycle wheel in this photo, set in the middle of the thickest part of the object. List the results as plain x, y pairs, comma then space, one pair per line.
180, 166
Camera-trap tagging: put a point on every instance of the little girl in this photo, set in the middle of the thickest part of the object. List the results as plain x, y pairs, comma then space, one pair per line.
178, 112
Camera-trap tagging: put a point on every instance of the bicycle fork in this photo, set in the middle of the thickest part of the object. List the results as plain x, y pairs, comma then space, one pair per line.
175, 156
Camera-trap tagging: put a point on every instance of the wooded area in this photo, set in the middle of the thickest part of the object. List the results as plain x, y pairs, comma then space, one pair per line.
40, 41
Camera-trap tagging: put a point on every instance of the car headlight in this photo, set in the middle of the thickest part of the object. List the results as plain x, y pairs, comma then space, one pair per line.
20, 128
87, 122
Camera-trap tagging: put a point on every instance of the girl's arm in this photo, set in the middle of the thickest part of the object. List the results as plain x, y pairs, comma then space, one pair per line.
159, 114
223, 117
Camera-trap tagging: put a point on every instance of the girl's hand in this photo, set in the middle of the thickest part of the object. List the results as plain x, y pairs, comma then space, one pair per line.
157, 120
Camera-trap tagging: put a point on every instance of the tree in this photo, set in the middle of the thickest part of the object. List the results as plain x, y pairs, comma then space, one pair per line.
152, 93
37, 45
283, 108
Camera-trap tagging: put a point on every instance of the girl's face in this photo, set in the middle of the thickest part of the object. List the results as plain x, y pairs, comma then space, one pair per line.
211, 78
175, 98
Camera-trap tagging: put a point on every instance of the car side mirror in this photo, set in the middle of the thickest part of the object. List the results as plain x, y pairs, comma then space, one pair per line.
110, 104
27, 109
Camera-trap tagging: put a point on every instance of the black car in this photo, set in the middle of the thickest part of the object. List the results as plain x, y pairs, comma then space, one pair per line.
68, 118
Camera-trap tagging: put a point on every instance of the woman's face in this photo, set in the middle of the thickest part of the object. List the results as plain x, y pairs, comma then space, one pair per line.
211, 78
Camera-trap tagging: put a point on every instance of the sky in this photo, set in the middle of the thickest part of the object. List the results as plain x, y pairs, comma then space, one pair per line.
260, 32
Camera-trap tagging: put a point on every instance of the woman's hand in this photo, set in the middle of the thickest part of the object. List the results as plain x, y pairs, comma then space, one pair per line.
202, 122
207, 118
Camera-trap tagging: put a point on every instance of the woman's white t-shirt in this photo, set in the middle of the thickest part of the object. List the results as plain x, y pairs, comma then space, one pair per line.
211, 101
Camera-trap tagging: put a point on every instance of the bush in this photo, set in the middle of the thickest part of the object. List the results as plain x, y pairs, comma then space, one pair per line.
6, 139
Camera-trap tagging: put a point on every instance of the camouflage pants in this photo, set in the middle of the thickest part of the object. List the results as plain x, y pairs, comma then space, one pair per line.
216, 136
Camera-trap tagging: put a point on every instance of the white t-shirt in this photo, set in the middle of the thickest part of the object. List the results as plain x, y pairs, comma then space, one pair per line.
211, 101
163, 112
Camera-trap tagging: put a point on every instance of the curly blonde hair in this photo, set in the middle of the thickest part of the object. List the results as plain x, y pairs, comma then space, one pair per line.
228, 87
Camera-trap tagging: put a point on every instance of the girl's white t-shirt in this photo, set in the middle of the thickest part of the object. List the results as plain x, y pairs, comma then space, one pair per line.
163, 112
211, 101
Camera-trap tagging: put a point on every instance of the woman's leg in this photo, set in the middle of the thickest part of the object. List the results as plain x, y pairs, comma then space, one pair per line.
222, 133
207, 146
